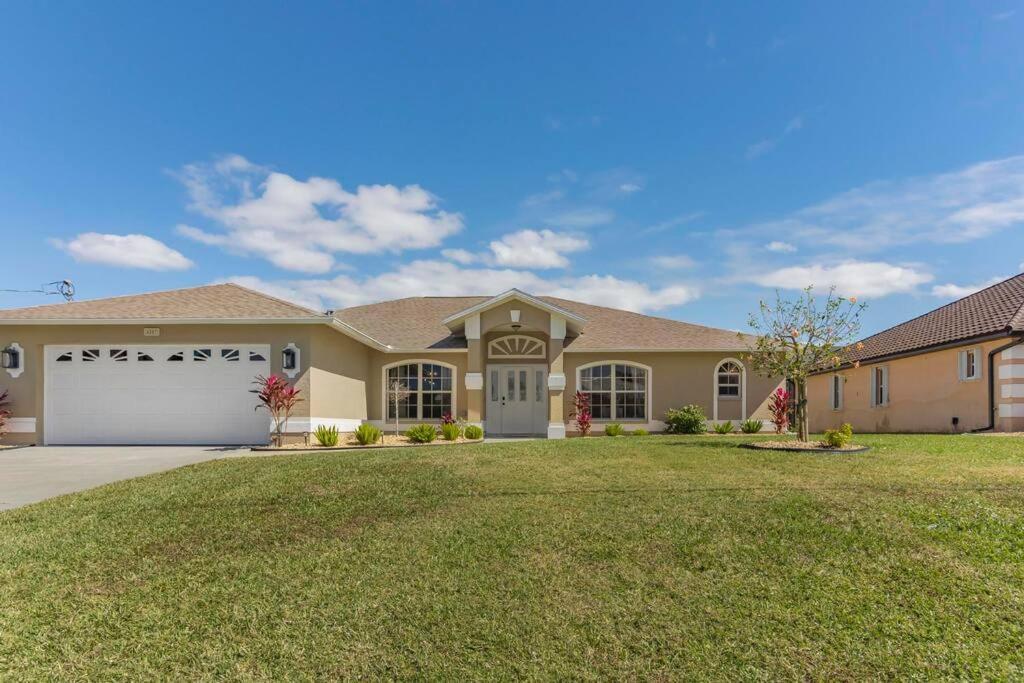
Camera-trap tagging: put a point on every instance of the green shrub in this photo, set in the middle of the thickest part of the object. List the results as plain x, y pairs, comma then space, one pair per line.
422, 433
450, 431
686, 420
473, 432
614, 429
327, 436
638, 432
723, 427
367, 434
751, 426
837, 438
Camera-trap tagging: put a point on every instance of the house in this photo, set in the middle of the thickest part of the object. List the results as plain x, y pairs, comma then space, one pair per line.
178, 366
957, 368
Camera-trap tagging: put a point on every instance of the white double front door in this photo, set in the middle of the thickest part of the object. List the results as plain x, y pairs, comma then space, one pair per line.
517, 400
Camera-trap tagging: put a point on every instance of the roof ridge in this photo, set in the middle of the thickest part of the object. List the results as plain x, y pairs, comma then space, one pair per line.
267, 296
122, 296
647, 315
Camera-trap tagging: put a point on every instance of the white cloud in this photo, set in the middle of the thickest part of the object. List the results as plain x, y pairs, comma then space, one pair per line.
795, 124
462, 256
963, 205
673, 261
542, 198
760, 148
682, 219
434, 278
780, 247
850, 278
582, 218
951, 291
630, 188
126, 251
300, 225
536, 249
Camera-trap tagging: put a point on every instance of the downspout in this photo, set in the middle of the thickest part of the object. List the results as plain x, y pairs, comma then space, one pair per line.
992, 383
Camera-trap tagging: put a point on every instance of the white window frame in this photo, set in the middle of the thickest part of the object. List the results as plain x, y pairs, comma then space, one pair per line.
419, 391
884, 369
743, 388
962, 359
648, 394
495, 348
836, 387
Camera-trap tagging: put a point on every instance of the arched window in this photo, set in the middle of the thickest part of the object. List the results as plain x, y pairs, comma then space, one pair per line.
616, 390
419, 390
730, 375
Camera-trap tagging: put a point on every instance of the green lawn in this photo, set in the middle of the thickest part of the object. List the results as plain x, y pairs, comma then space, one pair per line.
653, 557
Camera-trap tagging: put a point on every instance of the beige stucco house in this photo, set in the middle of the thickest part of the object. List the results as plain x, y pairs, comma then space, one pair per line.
957, 368
177, 367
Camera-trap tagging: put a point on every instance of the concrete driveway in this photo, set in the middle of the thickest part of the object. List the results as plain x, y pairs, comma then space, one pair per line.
28, 475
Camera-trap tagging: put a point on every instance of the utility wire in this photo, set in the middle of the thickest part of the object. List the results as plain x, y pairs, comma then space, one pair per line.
64, 288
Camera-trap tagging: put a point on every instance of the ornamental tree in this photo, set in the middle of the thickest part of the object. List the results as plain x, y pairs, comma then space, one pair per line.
797, 337
279, 399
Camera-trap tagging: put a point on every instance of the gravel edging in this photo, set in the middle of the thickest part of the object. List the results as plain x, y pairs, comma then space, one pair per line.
797, 449
321, 449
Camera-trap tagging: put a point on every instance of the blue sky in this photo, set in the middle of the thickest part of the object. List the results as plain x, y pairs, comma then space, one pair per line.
681, 159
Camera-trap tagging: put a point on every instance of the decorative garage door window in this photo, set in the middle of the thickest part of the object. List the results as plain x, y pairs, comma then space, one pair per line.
517, 346
616, 390
149, 355
419, 391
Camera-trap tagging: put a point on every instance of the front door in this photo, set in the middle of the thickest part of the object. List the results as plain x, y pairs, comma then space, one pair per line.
516, 400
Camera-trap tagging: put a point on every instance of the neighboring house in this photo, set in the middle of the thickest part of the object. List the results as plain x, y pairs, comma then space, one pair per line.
177, 367
957, 368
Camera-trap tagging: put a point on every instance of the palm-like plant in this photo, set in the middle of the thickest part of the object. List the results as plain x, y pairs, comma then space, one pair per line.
279, 399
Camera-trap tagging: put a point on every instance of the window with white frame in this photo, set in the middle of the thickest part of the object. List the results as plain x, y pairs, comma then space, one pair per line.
969, 361
730, 376
836, 393
419, 391
615, 390
880, 386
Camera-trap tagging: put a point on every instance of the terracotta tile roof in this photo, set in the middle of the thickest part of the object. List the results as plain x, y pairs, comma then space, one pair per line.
222, 302
415, 323
993, 310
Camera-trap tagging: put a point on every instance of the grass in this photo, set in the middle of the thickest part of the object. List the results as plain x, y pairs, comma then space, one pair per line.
647, 557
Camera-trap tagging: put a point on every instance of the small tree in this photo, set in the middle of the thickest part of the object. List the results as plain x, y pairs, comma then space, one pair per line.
581, 412
778, 405
397, 392
5, 412
279, 399
800, 336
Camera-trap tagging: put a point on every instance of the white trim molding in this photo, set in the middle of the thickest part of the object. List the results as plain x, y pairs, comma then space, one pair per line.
557, 327
648, 383
556, 381
296, 425
474, 381
16, 372
472, 329
508, 295
517, 346
298, 361
21, 425
419, 406
743, 387
556, 430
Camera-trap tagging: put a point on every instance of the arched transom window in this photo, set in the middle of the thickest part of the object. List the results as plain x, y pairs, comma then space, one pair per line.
616, 390
419, 391
729, 379
517, 346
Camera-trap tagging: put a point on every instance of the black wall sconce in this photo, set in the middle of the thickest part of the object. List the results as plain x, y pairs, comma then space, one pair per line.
289, 361
10, 359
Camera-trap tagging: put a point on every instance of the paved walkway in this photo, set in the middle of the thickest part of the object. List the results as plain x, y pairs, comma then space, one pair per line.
28, 475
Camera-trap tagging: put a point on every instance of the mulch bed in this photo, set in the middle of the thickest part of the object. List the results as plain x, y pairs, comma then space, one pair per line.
803, 447
347, 442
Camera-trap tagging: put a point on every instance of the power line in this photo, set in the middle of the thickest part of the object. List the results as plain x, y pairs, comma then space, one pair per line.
64, 288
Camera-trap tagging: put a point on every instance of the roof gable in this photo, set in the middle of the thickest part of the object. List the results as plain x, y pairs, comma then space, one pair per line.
512, 295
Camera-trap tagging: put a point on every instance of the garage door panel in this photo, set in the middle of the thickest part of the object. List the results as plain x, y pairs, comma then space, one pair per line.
158, 401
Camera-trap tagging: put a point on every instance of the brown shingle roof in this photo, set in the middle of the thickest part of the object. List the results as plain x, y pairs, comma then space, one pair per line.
212, 302
415, 323
993, 310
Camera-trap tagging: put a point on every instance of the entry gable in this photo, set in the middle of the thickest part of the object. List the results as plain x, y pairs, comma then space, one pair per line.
457, 321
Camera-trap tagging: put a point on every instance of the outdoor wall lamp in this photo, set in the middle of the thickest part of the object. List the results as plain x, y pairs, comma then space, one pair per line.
12, 359
291, 360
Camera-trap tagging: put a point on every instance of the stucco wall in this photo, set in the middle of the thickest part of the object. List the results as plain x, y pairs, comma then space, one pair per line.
925, 393
26, 391
678, 379
339, 373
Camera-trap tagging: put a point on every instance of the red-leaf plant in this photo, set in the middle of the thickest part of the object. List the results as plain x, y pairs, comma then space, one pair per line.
5, 413
778, 404
581, 412
447, 418
279, 399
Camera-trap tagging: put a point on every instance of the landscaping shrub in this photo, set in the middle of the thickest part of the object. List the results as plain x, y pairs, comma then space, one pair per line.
638, 432
723, 427
614, 429
4, 412
450, 431
686, 420
778, 404
422, 433
751, 426
327, 436
473, 432
367, 434
447, 418
279, 399
581, 413
837, 438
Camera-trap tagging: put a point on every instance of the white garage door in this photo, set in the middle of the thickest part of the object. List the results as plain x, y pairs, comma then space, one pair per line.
154, 394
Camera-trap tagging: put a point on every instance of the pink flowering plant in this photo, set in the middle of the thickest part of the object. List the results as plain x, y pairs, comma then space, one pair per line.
279, 399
